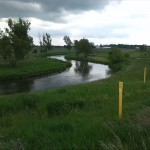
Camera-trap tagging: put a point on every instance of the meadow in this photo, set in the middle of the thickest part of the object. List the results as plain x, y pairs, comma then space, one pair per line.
82, 116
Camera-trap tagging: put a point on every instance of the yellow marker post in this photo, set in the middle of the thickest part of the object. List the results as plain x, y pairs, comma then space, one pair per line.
144, 74
120, 99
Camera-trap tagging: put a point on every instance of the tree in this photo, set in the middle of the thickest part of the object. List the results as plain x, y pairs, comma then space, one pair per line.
4, 45
15, 43
40, 42
92, 45
115, 55
143, 48
83, 46
68, 42
45, 42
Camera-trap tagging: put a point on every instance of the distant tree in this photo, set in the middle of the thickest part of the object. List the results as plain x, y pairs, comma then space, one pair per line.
15, 43
115, 55
68, 42
92, 45
40, 42
100, 45
143, 48
126, 55
83, 46
45, 42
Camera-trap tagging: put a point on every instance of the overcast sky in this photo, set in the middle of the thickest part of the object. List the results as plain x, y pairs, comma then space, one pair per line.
101, 21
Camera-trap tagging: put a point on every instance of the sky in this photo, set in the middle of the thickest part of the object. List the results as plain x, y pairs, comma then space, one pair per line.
100, 21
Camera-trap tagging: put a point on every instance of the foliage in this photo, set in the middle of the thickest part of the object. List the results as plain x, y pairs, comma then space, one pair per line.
68, 42
45, 42
34, 51
125, 46
82, 46
100, 60
126, 55
115, 56
143, 48
15, 43
92, 45
5, 46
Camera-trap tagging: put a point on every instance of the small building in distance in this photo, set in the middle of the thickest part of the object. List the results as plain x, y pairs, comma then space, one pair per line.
137, 48
104, 47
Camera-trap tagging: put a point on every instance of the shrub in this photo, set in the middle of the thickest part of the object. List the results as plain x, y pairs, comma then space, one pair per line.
35, 51
115, 56
126, 55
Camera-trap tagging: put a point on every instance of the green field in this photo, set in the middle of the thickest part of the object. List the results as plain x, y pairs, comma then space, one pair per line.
81, 117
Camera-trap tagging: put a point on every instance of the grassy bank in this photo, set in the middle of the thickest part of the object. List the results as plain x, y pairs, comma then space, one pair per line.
81, 117
34, 66
94, 59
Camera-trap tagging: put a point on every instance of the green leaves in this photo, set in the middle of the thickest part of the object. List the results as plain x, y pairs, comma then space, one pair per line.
68, 42
15, 41
45, 42
115, 56
82, 46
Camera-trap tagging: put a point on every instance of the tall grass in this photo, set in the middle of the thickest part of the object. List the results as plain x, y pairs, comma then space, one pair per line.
82, 116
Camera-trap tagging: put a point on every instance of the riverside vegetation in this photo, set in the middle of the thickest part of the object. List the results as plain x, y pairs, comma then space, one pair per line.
82, 116
33, 66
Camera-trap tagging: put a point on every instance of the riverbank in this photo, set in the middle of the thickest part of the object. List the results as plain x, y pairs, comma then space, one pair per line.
93, 59
34, 66
80, 117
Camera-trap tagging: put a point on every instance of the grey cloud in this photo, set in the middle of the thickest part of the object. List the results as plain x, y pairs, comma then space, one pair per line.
48, 9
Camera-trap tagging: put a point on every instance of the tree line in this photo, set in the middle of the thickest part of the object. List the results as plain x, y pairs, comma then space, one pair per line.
15, 42
83, 46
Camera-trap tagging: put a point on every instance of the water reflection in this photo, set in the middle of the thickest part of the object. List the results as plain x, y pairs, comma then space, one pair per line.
82, 68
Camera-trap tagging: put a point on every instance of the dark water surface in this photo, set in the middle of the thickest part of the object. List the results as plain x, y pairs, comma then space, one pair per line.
80, 72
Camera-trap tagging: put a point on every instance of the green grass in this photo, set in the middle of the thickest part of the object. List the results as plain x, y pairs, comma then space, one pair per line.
94, 59
53, 51
101, 56
34, 66
81, 117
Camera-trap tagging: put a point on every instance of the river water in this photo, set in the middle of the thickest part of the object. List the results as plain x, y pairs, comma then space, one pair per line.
79, 72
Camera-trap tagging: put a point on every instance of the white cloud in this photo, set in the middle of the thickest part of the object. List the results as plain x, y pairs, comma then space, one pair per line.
125, 22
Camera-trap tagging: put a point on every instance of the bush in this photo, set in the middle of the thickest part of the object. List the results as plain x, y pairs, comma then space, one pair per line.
115, 56
35, 51
126, 55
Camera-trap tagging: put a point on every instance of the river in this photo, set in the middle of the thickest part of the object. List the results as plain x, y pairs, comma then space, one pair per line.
79, 72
